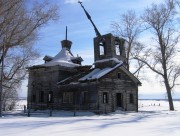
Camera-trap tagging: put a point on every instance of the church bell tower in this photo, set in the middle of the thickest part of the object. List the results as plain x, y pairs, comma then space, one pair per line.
108, 49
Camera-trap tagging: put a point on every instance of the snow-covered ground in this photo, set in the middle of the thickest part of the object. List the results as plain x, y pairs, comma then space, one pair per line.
153, 119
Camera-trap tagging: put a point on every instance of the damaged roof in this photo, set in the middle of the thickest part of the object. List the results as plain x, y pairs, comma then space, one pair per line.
98, 73
95, 74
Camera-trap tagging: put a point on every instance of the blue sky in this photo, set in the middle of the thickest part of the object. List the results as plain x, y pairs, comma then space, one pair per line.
80, 30
81, 33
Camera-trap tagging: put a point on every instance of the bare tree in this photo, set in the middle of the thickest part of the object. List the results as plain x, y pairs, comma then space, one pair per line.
160, 20
16, 61
129, 27
19, 24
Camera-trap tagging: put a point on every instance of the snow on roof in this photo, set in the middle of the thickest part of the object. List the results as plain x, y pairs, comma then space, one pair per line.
63, 58
98, 73
105, 60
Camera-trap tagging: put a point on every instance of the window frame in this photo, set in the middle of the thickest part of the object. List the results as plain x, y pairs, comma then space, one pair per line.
33, 98
41, 96
117, 49
50, 96
119, 76
102, 51
131, 98
85, 97
68, 97
105, 97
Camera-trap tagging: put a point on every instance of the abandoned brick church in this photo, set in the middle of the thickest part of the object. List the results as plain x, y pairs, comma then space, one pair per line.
62, 83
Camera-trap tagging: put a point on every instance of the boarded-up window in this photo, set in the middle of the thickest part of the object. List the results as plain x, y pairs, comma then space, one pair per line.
67, 97
105, 97
131, 98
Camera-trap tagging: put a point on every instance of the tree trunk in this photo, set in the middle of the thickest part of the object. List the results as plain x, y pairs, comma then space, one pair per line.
171, 105
164, 66
166, 82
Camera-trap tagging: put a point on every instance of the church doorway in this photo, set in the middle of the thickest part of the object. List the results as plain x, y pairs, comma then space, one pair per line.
119, 100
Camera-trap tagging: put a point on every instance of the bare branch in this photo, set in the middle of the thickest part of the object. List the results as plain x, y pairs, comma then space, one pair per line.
129, 27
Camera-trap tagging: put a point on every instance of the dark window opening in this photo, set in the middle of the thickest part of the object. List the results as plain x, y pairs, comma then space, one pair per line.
41, 96
131, 98
50, 97
85, 97
119, 75
68, 97
34, 98
105, 97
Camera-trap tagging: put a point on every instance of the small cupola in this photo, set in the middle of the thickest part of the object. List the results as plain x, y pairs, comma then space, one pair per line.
66, 43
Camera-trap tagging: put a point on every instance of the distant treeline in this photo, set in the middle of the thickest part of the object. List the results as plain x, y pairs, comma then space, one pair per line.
18, 98
161, 99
